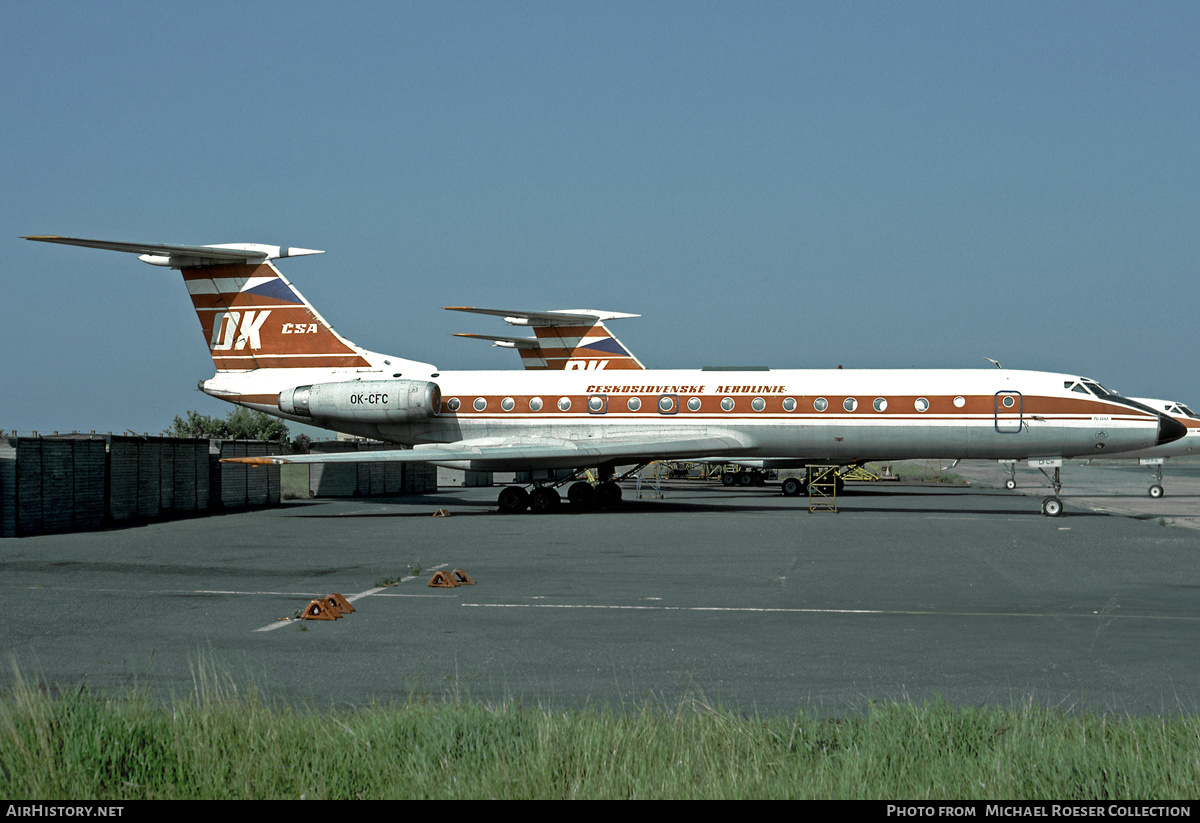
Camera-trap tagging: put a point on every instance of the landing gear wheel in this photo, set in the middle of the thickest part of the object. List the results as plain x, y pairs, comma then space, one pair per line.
581, 495
1052, 507
608, 495
544, 500
513, 500
792, 487
1156, 491
1010, 484
728, 479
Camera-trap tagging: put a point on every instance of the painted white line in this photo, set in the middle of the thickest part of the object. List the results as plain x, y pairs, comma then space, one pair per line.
907, 612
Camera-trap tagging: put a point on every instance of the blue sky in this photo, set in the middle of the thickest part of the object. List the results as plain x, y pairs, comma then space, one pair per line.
790, 184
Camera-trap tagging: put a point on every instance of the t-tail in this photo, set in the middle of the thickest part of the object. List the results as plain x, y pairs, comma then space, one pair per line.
250, 315
567, 340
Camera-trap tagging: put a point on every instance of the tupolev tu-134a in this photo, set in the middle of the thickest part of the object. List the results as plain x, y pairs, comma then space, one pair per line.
274, 353
578, 339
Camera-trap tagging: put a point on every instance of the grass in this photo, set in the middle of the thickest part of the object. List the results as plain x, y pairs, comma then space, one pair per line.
221, 742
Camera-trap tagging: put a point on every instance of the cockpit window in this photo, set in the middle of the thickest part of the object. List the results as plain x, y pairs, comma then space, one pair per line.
1179, 408
1073, 386
1097, 389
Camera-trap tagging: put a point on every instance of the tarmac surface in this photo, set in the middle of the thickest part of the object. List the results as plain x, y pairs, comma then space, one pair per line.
738, 598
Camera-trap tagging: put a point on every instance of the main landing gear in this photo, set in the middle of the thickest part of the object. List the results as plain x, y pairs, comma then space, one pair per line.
545, 499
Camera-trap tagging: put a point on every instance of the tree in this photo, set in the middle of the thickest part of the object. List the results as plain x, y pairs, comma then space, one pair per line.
241, 424
198, 425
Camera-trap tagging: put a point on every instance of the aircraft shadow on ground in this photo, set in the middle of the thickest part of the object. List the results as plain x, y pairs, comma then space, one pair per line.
734, 501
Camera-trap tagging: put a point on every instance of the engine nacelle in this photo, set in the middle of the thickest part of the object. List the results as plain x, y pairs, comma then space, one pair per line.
364, 401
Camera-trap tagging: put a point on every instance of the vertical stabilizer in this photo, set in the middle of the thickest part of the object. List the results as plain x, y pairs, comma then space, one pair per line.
253, 318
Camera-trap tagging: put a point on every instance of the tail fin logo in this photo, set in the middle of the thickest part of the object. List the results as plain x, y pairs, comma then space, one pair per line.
585, 365
234, 330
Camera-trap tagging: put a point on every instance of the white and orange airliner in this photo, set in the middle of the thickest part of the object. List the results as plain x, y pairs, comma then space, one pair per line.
273, 352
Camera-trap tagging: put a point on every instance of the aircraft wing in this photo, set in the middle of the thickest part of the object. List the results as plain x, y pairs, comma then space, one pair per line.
529, 452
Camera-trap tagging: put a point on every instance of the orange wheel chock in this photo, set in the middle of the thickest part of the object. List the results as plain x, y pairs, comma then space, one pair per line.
443, 580
441, 513
319, 610
339, 604
462, 578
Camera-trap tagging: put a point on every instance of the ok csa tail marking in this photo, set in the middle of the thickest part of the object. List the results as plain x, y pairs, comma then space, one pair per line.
228, 332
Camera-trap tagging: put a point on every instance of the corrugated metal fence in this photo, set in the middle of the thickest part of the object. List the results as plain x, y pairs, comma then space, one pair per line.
78, 482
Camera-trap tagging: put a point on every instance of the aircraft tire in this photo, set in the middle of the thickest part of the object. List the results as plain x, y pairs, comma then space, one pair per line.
608, 495
544, 500
1156, 491
792, 487
1010, 484
1052, 507
582, 495
513, 500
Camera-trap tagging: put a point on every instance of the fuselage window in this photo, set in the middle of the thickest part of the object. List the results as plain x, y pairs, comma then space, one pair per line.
820, 404
507, 404
564, 404
480, 403
959, 402
535, 403
758, 404
849, 404
789, 404
595, 404
1009, 401
694, 404
666, 404
727, 404
880, 404
634, 403
921, 404
452, 404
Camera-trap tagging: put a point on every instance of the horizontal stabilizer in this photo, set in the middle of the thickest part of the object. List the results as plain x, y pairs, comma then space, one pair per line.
180, 256
565, 317
512, 342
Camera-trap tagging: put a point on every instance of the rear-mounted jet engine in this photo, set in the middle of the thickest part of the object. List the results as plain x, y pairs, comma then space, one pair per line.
365, 401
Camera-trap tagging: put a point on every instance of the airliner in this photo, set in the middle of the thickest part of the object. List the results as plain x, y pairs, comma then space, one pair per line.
579, 348
1155, 456
274, 353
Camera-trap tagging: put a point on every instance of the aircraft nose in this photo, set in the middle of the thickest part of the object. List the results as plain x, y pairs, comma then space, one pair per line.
1169, 429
